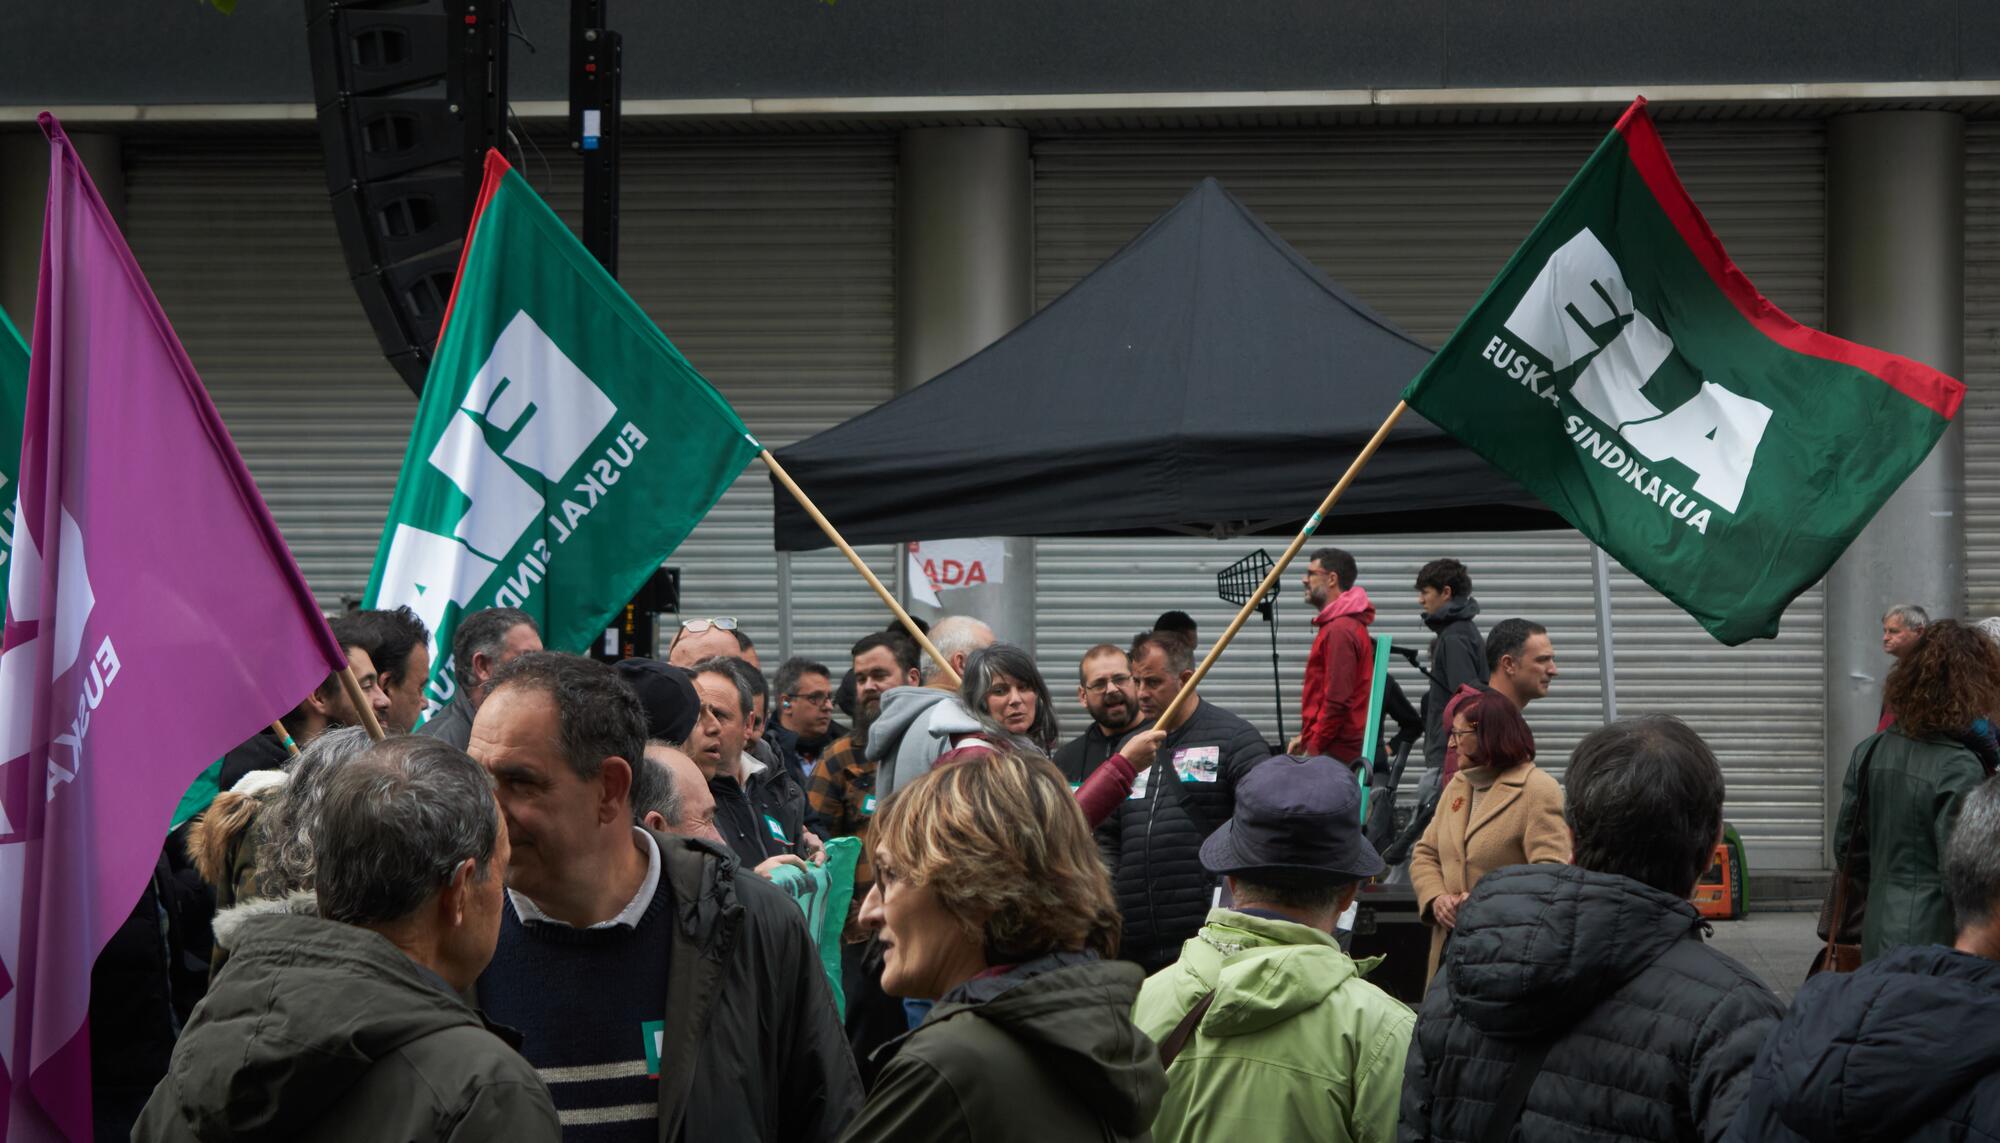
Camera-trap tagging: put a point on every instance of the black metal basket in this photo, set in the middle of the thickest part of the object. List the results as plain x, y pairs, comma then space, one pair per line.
1236, 582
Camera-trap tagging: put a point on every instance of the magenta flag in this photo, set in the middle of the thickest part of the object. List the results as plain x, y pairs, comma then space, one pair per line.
155, 619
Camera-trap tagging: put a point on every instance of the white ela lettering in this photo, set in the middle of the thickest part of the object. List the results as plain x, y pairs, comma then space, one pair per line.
1580, 296
530, 388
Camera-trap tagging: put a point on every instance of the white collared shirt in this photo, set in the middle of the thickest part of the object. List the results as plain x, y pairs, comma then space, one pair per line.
633, 910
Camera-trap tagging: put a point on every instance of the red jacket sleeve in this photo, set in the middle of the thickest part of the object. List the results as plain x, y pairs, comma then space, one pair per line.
1312, 695
1107, 786
1343, 676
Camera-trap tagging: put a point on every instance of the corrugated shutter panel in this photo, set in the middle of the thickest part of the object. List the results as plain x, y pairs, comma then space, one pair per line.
1416, 221
1982, 368
240, 247
770, 263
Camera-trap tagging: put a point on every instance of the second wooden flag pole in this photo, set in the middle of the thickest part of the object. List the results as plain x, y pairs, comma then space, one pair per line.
1170, 717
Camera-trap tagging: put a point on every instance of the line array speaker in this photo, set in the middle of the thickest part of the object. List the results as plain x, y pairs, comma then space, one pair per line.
410, 94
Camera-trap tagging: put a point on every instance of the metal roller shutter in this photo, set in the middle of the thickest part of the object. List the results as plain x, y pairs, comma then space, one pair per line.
769, 262
1416, 221
240, 248
1982, 368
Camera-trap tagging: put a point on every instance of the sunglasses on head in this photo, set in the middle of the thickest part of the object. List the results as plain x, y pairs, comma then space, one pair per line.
720, 623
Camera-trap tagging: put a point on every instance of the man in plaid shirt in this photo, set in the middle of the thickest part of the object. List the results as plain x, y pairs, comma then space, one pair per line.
842, 790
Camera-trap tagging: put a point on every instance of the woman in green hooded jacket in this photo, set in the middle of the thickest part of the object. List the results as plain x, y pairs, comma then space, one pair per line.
1917, 774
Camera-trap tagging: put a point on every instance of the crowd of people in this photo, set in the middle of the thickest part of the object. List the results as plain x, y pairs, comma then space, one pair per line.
568, 904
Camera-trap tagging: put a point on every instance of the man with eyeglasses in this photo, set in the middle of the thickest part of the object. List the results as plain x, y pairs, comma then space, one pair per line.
1104, 687
1333, 705
805, 725
700, 639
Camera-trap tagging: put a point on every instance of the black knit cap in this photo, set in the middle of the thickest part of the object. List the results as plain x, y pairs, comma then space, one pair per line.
667, 694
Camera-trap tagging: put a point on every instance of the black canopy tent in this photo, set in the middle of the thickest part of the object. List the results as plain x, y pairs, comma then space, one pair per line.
1206, 380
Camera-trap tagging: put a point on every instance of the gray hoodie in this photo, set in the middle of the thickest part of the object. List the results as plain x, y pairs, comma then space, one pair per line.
912, 732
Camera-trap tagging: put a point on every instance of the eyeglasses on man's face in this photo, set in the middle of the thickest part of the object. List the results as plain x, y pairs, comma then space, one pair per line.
817, 698
1099, 686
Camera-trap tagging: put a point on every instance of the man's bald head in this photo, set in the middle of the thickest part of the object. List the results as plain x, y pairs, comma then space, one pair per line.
688, 808
691, 647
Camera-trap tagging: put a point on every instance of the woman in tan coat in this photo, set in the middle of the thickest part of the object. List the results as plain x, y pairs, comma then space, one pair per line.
1499, 809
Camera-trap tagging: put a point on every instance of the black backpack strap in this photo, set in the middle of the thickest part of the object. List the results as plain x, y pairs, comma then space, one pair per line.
1514, 1095
1178, 1038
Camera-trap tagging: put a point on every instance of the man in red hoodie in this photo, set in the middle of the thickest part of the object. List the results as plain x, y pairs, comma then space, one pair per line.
1334, 708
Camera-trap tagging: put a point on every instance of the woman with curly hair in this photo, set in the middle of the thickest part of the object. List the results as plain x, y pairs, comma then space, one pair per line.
1905, 785
990, 898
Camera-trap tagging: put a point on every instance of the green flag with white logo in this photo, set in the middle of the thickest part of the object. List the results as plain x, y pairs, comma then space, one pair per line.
562, 449
1627, 373
13, 410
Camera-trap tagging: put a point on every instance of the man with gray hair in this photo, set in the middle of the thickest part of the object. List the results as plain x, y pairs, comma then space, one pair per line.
349, 1025
1578, 1002
485, 641
665, 992
916, 723
1902, 626
1908, 1046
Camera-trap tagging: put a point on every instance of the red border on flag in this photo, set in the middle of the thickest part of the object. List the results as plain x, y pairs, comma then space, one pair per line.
497, 167
1935, 391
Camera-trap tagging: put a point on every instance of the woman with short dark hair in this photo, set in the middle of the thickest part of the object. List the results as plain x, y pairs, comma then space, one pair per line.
1499, 809
990, 898
1917, 773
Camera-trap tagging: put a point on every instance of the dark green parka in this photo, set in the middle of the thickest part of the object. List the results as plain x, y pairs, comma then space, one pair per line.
322, 1032
1045, 1052
1915, 789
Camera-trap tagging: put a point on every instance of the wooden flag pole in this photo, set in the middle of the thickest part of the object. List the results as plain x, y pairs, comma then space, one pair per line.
888, 597
359, 698
1170, 717
285, 737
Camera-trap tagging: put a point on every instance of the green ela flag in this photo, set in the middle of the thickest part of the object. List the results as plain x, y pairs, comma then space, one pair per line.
1625, 371
13, 410
563, 447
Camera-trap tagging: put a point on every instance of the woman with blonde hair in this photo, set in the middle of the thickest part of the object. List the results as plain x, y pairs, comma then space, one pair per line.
990, 899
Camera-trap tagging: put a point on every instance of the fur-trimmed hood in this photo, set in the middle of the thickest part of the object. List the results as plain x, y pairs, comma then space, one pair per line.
229, 922
233, 811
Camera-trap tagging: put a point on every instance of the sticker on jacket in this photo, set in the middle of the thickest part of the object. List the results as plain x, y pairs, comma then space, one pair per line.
1198, 763
1139, 783
777, 831
868, 806
655, 1034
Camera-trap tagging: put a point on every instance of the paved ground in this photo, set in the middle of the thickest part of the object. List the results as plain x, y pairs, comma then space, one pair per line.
1775, 946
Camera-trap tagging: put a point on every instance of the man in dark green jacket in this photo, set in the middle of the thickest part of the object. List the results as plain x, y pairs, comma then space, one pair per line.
348, 1025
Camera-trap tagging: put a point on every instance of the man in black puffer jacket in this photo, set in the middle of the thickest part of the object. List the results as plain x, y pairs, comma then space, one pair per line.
1649, 1034
1152, 841
1909, 1046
